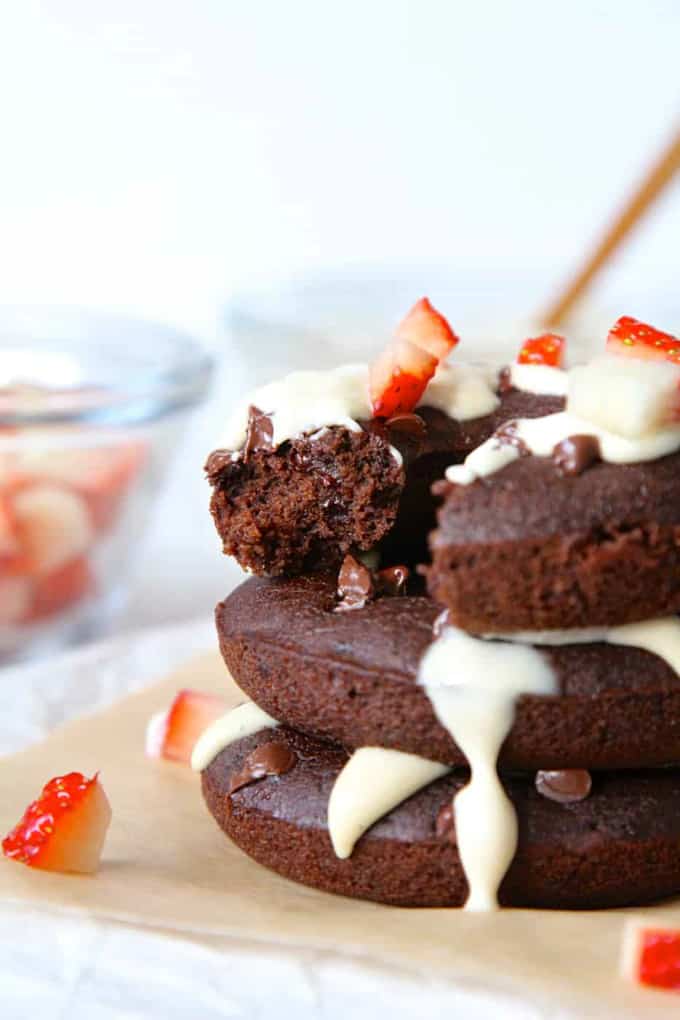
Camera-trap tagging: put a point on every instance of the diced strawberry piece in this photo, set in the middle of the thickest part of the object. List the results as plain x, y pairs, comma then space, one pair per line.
399, 376
16, 596
172, 734
64, 587
427, 328
638, 340
546, 349
651, 955
64, 829
100, 474
53, 525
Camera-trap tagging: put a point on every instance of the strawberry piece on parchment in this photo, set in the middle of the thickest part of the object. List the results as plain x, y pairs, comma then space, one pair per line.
65, 828
173, 733
651, 954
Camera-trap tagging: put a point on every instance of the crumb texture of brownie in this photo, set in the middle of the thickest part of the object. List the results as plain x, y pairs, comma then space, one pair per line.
530, 549
620, 846
304, 505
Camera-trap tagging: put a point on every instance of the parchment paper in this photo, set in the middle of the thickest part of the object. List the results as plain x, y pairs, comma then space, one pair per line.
168, 866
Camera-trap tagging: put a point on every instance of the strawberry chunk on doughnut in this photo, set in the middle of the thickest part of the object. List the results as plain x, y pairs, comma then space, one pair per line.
399, 376
65, 828
636, 339
546, 349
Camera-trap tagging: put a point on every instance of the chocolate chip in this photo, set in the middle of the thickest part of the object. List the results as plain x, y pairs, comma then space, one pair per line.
407, 423
392, 580
508, 435
407, 433
355, 585
444, 826
271, 759
215, 464
565, 786
576, 453
260, 432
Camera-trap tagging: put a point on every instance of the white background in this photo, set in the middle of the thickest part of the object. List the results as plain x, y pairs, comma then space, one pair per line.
158, 156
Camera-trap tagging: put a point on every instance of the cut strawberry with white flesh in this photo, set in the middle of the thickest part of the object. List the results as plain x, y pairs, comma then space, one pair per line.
65, 828
651, 955
101, 474
427, 328
399, 377
53, 524
16, 598
546, 349
623, 395
172, 734
636, 339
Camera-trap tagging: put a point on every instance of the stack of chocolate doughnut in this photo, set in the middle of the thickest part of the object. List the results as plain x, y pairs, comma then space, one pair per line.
459, 643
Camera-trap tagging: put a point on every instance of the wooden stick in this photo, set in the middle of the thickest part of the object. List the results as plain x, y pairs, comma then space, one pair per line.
649, 190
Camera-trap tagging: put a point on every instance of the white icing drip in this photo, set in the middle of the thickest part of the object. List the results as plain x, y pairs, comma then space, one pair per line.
373, 782
543, 380
541, 435
473, 685
241, 722
309, 402
660, 636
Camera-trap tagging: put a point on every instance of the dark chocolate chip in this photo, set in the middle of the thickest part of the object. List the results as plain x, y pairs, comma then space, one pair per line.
271, 759
576, 453
215, 464
407, 433
564, 785
260, 432
508, 435
355, 585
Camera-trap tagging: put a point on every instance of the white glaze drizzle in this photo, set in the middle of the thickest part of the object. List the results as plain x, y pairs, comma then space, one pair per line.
373, 782
309, 402
543, 380
661, 636
473, 686
541, 435
243, 721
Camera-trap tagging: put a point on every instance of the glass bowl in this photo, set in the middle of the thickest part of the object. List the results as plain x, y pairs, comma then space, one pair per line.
91, 407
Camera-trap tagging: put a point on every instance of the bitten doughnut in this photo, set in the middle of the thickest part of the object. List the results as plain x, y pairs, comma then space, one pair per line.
483, 726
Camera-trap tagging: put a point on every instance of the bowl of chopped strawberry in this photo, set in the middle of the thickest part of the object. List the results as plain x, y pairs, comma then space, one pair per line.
91, 408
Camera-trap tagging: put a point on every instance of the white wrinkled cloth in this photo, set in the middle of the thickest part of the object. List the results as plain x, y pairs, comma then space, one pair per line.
74, 968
